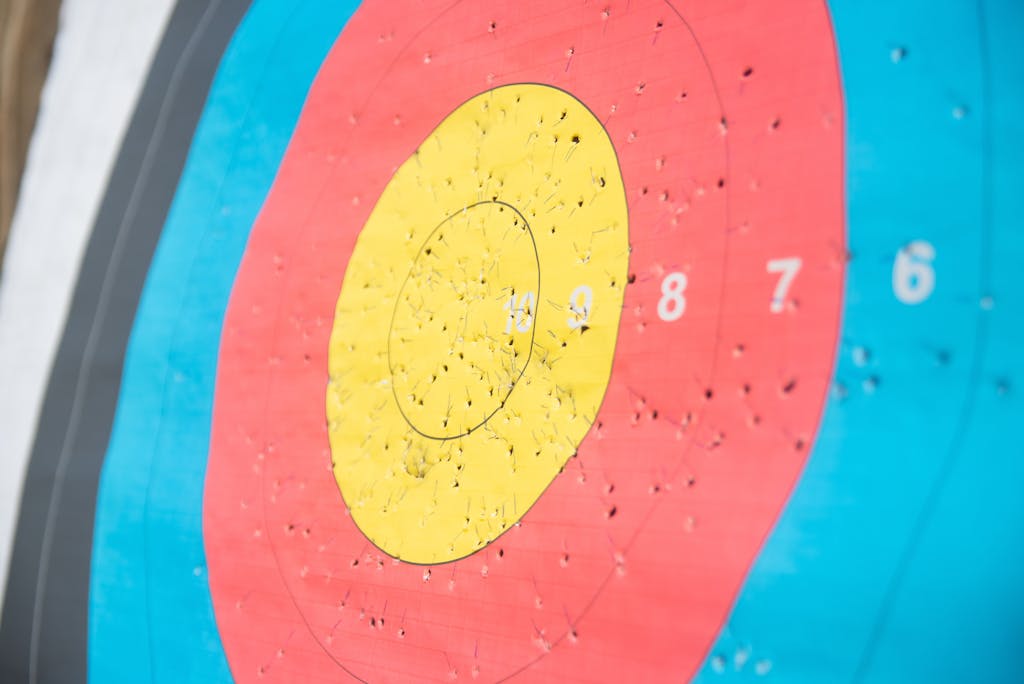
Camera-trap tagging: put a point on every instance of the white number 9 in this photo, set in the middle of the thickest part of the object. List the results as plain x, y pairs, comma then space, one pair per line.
913, 277
580, 301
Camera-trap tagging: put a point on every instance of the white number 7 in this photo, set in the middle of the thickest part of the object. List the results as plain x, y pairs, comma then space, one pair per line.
788, 267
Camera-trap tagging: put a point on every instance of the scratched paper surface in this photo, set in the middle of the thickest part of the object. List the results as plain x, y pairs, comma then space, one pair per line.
545, 341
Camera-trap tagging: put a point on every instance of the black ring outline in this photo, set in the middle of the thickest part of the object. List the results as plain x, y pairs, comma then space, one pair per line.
533, 326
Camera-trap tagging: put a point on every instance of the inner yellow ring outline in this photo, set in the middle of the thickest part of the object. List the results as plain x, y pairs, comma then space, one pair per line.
512, 231
475, 329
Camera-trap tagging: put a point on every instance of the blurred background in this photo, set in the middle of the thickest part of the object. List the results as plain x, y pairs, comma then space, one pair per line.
27, 30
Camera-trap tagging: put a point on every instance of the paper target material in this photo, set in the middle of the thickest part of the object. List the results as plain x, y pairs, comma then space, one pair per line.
521, 565
779, 164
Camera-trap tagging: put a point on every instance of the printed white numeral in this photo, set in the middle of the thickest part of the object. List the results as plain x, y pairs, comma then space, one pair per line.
672, 303
520, 313
788, 267
913, 277
580, 301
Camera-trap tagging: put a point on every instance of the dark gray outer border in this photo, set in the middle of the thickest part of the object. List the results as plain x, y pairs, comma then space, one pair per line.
44, 623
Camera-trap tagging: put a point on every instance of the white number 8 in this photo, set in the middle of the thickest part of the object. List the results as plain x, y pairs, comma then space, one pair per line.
672, 303
913, 277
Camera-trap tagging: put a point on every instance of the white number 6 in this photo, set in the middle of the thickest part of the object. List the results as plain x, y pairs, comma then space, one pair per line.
913, 277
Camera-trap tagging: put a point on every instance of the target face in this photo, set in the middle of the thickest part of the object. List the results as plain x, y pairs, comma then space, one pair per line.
481, 368
530, 311
450, 340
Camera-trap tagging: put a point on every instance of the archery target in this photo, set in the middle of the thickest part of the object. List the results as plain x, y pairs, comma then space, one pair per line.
499, 509
785, 449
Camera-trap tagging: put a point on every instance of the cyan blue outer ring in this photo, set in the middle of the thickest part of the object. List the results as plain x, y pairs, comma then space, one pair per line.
150, 613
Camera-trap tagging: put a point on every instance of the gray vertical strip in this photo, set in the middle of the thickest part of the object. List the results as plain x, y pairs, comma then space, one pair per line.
43, 633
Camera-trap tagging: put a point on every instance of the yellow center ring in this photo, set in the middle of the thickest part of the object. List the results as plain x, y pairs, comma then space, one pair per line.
475, 329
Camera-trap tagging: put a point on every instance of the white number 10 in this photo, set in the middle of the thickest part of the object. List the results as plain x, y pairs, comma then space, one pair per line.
520, 313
